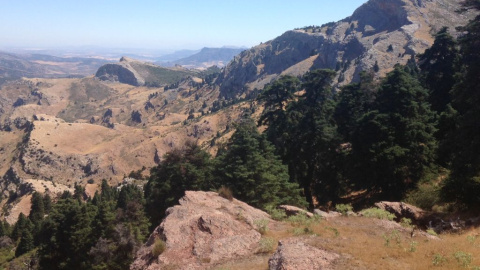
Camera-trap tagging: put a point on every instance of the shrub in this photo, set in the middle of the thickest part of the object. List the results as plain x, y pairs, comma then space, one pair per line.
406, 222
276, 214
377, 213
463, 258
438, 259
425, 196
344, 208
262, 225
265, 245
226, 193
158, 247
432, 232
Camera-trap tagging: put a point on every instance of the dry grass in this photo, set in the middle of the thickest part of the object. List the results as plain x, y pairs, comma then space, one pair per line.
362, 244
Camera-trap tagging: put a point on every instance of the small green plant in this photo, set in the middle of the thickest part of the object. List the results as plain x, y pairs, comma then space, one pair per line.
471, 239
158, 247
406, 222
262, 225
438, 259
276, 214
394, 235
334, 230
377, 213
344, 208
432, 232
413, 246
265, 245
226, 193
463, 258
302, 231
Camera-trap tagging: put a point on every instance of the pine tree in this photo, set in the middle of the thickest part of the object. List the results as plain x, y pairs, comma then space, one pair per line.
249, 167
37, 211
464, 182
26, 243
189, 168
394, 144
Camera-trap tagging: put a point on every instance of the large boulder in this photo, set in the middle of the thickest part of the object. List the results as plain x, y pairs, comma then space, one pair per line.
402, 210
296, 253
201, 232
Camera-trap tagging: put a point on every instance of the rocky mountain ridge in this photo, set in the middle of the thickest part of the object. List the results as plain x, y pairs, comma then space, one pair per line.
379, 34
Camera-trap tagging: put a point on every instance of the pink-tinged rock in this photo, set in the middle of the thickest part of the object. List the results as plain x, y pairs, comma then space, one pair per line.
204, 230
293, 210
296, 253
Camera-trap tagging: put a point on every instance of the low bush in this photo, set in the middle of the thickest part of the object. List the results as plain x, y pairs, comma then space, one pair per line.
377, 213
158, 247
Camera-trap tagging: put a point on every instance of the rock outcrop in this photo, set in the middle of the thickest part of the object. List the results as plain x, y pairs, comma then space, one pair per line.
402, 210
296, 253
138, 73
120, 72
201, 232
379, 33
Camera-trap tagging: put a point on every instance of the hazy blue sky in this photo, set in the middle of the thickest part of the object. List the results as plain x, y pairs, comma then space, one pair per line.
161, 24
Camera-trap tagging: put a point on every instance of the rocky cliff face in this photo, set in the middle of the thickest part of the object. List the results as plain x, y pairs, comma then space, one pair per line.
385, 32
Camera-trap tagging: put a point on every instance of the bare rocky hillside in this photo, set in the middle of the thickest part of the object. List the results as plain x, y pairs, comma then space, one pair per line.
380, 33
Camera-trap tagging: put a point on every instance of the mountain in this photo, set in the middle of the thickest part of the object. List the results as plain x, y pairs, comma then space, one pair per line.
206, 57
140, 73
380, 33
14, 66
175, 56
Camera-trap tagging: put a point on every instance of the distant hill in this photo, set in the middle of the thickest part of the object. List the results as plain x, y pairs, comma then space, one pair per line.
175, 56
14, 66
206, 57
138, 73
380, 34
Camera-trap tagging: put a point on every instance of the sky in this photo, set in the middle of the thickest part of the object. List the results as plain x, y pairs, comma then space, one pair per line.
160, 24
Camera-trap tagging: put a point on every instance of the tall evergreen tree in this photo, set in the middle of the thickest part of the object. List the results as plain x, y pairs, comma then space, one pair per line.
189, 168
254, 173
394, 144
464, 181
26, 243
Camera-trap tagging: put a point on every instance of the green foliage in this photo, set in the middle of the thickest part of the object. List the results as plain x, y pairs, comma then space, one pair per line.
377, 213
406, 222
464, 259
431, 232
343, 208
424, 196
266, 245
393, 235
253, 172
394, 144
275, 213
439, 259
159, 247
189, 168
262, 225
463, 185
26, 243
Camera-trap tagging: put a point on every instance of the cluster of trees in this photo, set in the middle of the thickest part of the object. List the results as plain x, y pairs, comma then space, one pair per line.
387, 136
103, 232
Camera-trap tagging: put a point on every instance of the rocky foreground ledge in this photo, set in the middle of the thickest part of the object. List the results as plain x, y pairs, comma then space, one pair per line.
207, 230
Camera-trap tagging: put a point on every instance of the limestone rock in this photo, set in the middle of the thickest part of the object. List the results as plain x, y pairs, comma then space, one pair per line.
204, 230
296, 253
293, 210
350, 46
327, 215
402, 210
